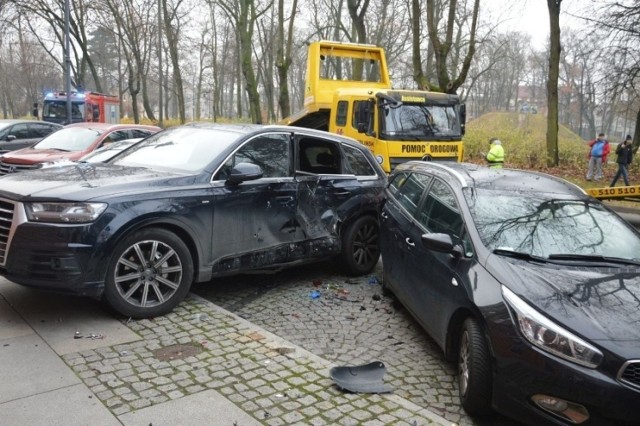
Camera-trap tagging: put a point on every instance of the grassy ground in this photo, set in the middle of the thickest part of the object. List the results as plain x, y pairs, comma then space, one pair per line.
524, 139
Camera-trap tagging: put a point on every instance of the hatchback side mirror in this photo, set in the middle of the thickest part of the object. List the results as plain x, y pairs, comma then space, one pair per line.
442, 243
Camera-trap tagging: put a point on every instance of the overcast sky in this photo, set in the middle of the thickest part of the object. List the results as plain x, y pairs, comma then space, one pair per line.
529, 16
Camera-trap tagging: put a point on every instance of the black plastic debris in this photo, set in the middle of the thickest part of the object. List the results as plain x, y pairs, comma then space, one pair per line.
367, 378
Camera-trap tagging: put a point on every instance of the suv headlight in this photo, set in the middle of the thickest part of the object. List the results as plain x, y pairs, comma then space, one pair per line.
64, 212
547, 335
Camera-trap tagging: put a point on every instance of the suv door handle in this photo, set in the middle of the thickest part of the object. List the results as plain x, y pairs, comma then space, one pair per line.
384, 215
409, 242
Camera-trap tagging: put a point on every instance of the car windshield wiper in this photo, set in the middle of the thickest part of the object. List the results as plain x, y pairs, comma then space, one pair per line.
519, 255
593, 258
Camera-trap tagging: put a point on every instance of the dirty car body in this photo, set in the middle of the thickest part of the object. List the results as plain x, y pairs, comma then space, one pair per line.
530, 284
188, 204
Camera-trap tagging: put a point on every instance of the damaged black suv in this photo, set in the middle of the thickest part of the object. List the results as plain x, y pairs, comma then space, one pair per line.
189, 204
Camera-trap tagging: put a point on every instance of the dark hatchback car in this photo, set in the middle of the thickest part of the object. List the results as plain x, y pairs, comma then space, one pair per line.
188, 204
532, 286
18, 134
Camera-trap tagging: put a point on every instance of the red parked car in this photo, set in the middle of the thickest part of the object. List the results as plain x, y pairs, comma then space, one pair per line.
70, 143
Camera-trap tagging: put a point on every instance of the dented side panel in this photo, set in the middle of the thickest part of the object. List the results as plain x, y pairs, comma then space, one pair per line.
324, 202
253, 224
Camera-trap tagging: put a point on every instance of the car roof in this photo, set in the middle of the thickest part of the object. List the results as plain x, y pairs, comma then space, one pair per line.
111, 126
505, 179
18, 120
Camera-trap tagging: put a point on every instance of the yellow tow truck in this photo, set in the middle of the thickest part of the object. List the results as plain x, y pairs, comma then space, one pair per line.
348, 91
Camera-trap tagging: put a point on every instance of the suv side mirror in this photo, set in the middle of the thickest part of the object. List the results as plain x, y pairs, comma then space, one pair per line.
243, 172
34, 111
463, 118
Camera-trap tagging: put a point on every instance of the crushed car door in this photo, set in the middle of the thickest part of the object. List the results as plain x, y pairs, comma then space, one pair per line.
326, 196
254, 220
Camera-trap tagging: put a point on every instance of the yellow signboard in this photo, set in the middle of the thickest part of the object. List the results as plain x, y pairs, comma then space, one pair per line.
615, 192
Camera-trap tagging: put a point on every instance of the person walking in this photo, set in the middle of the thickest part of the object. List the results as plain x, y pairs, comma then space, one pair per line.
598, 152
495, 156
624, 155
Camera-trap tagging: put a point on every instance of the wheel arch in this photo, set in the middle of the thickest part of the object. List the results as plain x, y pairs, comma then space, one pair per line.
174, 226
452, 340
348, 221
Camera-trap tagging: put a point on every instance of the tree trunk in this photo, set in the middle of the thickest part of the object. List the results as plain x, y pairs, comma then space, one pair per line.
552, 83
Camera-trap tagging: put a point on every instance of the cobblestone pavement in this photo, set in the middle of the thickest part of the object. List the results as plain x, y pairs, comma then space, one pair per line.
347, 321
201, 346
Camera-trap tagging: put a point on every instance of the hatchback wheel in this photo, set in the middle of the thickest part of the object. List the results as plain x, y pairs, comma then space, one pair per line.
474, 370
149, 273
361, 246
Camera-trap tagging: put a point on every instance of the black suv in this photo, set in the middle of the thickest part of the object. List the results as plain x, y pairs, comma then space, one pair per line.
188, 204
18, 134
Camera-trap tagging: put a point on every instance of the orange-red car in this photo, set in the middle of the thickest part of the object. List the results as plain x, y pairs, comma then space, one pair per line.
70, 143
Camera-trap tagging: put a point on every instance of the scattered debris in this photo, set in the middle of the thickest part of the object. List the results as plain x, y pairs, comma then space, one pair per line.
367, 378
201, 317
374, 280
352, 281
315, 294
317, 283
362, 308
93, 336
376, 297
284, 351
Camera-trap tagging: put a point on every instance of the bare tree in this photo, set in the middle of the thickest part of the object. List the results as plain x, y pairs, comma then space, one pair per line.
244, 15
552, 83
284, 44
135, 26
452, 72
621, 20
173, 16
52, 13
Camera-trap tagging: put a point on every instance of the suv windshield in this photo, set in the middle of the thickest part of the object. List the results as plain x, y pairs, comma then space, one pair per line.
419, 121
540, 224
69, 139
186, 149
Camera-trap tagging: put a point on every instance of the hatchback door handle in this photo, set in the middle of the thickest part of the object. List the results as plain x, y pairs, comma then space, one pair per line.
409, 242
384, 215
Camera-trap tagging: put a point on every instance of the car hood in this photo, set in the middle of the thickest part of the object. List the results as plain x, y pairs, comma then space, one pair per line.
86, 181
36, 156
599, 303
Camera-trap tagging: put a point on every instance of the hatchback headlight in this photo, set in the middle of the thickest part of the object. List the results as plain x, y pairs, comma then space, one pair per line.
64, 212
547, 335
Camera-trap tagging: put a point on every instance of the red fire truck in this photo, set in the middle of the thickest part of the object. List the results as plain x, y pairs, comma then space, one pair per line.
85, 106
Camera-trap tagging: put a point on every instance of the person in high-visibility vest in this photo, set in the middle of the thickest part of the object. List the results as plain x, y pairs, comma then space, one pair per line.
495, 156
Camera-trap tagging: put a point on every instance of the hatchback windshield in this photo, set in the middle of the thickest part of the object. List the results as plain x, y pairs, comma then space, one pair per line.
541, 224
70, 139
186, 149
